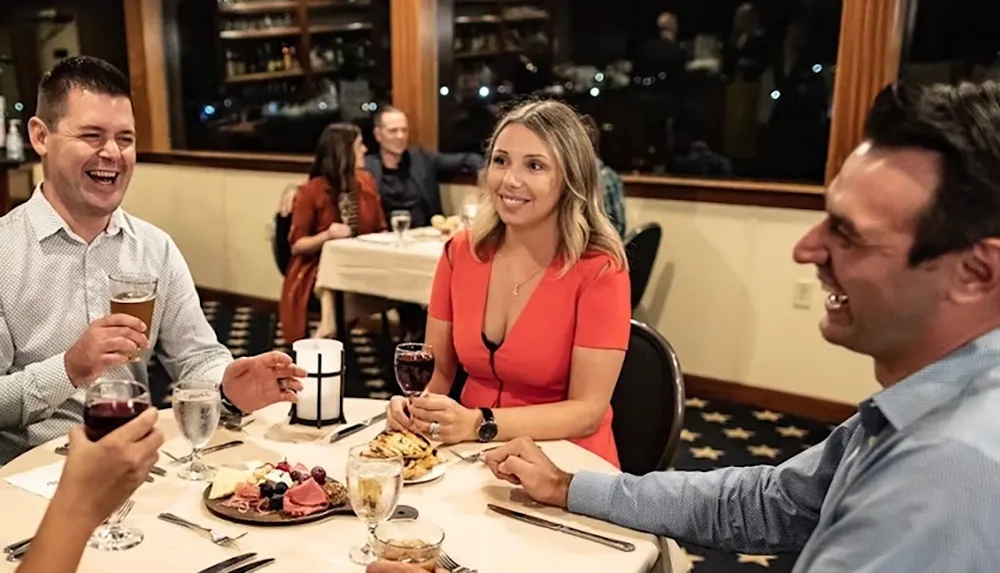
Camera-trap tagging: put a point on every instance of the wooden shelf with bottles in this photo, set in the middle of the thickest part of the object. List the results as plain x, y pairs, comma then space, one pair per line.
264, 40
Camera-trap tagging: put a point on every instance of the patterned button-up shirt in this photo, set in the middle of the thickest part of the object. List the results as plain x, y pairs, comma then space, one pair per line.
614, 197
53, 285
910, 483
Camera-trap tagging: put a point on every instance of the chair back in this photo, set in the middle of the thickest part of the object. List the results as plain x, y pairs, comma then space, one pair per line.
641, 246
648, 403
280, 247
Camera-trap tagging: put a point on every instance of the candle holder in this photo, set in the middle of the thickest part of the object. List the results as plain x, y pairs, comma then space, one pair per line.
321, 401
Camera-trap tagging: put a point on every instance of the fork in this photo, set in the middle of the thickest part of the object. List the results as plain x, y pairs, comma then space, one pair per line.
18, 550
448, 563
474, 457
217, 538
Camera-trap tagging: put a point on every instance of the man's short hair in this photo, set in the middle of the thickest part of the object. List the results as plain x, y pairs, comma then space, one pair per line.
962, 124
382, 110
79, 72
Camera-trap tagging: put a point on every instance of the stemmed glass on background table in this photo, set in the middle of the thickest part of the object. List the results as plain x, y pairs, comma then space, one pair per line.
373, 486
197, 407
108, 405
400, 221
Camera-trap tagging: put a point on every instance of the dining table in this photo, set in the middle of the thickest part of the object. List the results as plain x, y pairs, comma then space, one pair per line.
475, 536
380, 265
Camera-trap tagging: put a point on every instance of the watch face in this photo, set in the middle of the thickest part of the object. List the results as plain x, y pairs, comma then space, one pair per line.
487, 431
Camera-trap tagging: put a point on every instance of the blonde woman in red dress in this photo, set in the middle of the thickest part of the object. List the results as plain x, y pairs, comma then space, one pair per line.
533, 301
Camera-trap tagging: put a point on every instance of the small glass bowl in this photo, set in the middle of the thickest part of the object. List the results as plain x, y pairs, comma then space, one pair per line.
409, 541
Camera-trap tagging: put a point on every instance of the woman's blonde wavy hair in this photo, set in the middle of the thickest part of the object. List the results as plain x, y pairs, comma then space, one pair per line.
583, 224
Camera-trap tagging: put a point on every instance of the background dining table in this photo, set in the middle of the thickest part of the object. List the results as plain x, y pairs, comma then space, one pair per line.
474, 536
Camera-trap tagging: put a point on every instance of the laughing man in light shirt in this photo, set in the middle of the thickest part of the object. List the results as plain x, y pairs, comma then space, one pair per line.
910, 252
56, 335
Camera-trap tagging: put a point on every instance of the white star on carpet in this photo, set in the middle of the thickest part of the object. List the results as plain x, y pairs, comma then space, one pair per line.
715, 417
737, 434
695, 403
767, 416
762, 560
791, 432
706, 453
689, 436
764, 451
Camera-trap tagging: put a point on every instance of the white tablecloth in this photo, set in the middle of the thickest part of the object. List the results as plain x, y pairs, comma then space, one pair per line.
376, 265
475, 537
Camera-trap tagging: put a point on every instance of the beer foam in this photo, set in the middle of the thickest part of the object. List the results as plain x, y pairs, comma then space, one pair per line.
133, 297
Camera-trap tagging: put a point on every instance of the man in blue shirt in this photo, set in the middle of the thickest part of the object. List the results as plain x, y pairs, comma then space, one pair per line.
910, 254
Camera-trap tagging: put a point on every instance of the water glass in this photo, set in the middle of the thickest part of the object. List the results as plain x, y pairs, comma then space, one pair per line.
409, 541
197, 408
373, 486
108, 405
400, 225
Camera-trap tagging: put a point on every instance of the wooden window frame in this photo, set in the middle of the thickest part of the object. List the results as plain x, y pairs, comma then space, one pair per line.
871, 44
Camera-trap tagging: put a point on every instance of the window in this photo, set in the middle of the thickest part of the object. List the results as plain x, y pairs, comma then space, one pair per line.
268, 76
715, 88
952, 42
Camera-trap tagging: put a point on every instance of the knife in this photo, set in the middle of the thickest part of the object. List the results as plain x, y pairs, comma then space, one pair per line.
220, 567
252, 566
355, 428
63, 450
222, 446
613, 543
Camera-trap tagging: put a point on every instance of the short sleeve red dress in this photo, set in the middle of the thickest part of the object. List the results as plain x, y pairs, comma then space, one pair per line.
588, 306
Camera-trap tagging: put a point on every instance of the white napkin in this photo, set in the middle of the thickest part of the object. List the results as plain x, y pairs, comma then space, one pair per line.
41, 481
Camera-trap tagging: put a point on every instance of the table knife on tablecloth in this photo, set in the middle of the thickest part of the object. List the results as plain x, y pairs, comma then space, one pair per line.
607, 541
223, 565
355, 428
252, 566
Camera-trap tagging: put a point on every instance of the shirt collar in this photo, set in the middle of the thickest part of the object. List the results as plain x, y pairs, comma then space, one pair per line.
918, 394
47, 222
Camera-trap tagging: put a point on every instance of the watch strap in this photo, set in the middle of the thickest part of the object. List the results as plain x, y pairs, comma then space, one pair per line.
227, 403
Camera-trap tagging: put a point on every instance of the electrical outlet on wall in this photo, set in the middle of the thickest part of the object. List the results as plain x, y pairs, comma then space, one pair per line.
802, 294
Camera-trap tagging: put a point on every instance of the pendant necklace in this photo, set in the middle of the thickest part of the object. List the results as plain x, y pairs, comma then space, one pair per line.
517, 286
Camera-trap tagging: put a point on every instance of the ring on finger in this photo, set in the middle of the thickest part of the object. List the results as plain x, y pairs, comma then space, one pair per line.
435, 429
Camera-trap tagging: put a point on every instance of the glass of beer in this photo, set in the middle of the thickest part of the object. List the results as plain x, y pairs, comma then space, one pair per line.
133, 294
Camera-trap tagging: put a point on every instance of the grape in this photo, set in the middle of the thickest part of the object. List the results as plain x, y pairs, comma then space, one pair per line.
266, 490
280, 488
318, 474
276, 503
296, 476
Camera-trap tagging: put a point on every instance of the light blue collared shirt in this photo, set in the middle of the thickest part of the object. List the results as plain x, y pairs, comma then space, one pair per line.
909, 484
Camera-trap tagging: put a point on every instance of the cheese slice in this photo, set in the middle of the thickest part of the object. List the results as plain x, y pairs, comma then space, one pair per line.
226, 480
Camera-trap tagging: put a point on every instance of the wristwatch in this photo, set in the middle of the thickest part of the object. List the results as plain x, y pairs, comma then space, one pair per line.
227, 405
487, 431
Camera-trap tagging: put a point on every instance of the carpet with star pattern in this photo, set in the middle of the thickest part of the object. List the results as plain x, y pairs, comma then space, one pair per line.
716, 433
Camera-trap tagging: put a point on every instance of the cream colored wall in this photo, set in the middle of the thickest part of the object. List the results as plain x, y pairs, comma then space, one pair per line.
722, 290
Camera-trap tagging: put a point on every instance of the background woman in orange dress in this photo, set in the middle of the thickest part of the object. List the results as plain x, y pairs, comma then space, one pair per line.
534, 301
340, 200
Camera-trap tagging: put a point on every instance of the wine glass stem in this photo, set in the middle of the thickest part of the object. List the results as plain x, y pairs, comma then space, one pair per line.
370, 544
195, 458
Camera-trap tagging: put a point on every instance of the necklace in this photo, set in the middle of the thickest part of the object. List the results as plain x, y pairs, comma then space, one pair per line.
517, 286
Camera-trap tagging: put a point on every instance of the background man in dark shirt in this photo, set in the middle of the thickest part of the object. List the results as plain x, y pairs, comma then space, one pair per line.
407, 176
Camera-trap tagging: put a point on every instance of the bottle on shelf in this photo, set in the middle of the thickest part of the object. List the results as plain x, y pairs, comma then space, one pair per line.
15, 144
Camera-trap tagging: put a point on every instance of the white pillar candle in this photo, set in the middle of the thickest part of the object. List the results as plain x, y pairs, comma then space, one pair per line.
310, 355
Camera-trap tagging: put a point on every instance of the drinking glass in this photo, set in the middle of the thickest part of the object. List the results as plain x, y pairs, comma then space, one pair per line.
133, 294
409, 541
400, 224
469, 211
197, 408
414, 365
373, 486
108, 405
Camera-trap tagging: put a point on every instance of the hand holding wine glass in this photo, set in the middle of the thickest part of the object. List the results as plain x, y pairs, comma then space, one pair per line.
109, 405
100, 476
414, 368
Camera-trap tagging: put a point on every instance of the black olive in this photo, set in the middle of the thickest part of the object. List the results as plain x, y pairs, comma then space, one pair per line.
280, 488
276, 502
266, 490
